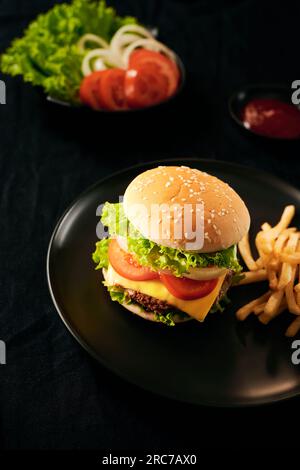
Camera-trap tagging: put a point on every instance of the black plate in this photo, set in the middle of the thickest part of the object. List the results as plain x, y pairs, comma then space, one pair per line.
241, 97
220, 362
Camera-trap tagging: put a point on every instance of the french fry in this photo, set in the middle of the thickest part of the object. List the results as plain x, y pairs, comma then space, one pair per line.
297, 287
290, 258
244, 311
265, 318
259, 308
294, 328
259, 263
292, 243
274, 263
265, 252
289, 293
281, 240
287, 269
272, 276
265, 227
297, 290
245, 251
285, 276
254, 276
273, 303
264, 245
285, 220
270, 235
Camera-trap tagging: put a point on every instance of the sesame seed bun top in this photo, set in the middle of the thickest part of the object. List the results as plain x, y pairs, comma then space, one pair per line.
186, 208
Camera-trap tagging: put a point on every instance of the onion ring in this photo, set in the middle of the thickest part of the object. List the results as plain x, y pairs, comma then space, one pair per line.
91, 38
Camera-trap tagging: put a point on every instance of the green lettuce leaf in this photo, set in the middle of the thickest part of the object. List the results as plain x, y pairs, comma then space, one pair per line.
100, 255
47, 55
236, 278
118, 294
220, 305
165, 319
149, 253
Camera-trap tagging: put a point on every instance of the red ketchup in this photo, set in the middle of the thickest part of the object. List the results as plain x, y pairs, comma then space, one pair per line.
272, 118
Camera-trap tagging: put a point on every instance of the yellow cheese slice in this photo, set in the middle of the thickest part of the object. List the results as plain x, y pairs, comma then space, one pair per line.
197, 308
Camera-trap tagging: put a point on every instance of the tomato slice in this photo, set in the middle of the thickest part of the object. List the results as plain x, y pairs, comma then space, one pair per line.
126, 266
111, 90
88, 92
188, 289
145, 86
164, 65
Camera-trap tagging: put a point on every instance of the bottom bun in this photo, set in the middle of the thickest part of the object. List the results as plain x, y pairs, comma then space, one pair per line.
138, 310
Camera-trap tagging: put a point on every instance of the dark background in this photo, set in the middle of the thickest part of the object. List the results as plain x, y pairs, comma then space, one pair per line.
52, 394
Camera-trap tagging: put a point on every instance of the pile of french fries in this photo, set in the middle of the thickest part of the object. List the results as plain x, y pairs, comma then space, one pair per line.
279, 264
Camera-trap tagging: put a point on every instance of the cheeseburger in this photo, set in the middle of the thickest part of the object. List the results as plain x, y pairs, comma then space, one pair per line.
171, 251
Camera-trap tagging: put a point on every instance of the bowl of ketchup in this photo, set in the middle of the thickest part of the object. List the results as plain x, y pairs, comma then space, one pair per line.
267, 111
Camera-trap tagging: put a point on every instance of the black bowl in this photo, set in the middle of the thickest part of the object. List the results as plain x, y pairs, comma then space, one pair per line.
162, 105
242, 96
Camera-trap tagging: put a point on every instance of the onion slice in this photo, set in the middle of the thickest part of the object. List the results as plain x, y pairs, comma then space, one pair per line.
126, 35
122, 241
93, 54
205, 274
91, 38
150, 44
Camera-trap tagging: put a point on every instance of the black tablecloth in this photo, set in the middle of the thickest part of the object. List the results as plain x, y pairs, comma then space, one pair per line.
52, 394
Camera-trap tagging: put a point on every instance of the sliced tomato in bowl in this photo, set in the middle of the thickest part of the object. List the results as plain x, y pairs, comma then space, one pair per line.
125, 265
187, 289
88, 92
111, 90
164, 65
145, 86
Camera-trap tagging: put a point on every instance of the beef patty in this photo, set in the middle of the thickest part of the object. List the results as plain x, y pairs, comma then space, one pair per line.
150, 304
